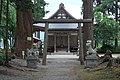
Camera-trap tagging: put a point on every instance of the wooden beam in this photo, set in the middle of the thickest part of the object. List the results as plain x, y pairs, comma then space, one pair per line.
38, 28
63, 21
65, 29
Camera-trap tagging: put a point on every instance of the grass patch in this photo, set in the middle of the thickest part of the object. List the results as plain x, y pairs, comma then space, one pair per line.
98, 73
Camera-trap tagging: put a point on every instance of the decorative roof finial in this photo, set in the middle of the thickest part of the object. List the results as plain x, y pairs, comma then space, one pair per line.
61, 5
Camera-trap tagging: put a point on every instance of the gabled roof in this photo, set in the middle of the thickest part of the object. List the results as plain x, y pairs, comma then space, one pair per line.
61, 13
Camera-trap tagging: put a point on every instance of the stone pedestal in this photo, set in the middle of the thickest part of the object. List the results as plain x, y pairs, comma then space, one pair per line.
32, 61
91, 61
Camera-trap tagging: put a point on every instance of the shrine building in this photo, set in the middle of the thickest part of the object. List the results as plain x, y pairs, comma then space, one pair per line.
62, 36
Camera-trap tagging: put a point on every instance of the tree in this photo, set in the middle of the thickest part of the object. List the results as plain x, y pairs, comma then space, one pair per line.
0, 10
11, 21
24, 23
38, 9
103, 10
87, 27
105, 28
24, 26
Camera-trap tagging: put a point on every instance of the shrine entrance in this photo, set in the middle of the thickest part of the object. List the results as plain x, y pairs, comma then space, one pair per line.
62, 33
62, 40
61, 44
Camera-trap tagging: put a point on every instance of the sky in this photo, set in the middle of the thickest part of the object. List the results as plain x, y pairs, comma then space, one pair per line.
72, 6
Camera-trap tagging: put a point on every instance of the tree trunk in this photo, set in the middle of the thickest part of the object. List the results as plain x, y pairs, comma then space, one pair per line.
96, 44
4, 42
87, 27
116, 17
103, 43
116, 43
23, 31
0, 11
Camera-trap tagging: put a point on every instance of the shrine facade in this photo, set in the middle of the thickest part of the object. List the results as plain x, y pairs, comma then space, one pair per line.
62, 36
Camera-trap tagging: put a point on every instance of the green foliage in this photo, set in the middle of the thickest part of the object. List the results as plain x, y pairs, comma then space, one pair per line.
38, 9
106, 28
105, 6
12, 17
2, 56
3, 21
106, 47
11, 20
12, 56
24, 5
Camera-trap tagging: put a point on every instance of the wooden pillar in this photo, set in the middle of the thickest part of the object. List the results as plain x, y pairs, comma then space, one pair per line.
54, 43
81, 55
35, 34
45, 44
38, 34
68, 43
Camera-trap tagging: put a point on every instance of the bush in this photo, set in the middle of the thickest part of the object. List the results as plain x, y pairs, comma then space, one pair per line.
0, 50
2, 62
12, 56
104, 48
2, 56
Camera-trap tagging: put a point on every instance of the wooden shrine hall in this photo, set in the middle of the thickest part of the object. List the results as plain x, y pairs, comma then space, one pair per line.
61, 31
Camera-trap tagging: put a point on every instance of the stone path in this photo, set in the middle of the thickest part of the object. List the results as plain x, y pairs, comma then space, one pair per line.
59, 67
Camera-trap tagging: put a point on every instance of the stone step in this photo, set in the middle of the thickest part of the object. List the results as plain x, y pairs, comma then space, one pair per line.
62, 56
62, 53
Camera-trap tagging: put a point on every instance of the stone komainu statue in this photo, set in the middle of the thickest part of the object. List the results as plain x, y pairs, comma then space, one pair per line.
39, 46
91, 59
90, 49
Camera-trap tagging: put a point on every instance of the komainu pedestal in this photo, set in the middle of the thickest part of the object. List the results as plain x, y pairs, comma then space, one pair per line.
91, 61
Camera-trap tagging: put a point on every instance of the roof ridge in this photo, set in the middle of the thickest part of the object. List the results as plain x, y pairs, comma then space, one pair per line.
61, 13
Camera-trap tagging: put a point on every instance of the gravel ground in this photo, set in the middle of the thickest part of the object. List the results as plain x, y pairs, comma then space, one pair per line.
60, 69
56, 69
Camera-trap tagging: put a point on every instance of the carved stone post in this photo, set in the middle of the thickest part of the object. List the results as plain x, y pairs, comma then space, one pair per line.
45, 43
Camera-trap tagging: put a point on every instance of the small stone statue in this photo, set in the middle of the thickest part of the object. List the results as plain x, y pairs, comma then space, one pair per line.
90, 50
32, 59
91, 59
